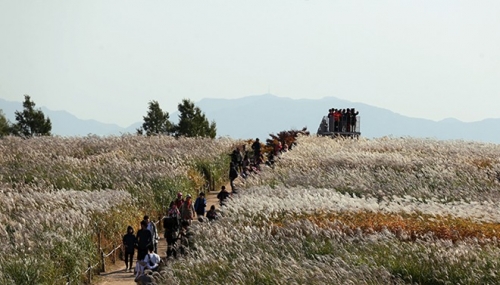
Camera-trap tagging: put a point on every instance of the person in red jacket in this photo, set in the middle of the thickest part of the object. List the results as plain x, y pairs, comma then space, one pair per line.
337, 115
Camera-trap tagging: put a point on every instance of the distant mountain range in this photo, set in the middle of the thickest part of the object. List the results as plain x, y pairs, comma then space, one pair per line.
66, 124
259, 116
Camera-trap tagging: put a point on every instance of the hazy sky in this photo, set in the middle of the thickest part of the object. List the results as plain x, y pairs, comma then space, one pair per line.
107, 59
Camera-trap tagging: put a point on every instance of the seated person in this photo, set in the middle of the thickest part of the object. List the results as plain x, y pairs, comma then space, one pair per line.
223, 195
151, 262
212, 214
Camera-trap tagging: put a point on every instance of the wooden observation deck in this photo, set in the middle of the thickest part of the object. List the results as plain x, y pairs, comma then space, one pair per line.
342, 128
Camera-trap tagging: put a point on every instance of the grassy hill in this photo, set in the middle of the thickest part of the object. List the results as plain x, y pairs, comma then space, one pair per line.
381, 211
63, 200
384, 211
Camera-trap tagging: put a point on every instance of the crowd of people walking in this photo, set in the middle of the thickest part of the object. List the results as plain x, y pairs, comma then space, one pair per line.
181, 213
244, 162
177, 232
146, 243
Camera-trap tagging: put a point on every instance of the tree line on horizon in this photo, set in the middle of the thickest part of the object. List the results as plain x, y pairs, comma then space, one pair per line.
31, 122
192, 122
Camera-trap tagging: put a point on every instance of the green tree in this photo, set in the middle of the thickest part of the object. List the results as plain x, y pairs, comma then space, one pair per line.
4, 125
156, 121
192, 122
31, 122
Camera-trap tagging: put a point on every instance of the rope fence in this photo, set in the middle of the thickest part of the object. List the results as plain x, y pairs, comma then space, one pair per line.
101, 262
87, 272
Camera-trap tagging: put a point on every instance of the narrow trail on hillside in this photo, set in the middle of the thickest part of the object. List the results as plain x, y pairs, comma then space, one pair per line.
116, 274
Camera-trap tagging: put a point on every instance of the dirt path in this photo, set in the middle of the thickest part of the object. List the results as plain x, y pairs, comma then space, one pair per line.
116, 274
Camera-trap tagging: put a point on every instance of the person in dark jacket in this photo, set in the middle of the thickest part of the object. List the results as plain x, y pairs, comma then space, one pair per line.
236, 157
344, 120
129, 241
256, 149
144, 240
171, 224
212, 214
233, 174
354, 119
200, 204
223, 195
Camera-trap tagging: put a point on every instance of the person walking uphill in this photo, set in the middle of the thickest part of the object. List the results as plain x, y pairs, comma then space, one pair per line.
129, 242
200, 204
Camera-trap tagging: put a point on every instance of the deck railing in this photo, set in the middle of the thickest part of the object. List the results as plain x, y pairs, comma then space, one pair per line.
343, 126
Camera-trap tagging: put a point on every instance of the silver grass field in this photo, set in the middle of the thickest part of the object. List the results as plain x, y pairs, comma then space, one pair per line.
379, 211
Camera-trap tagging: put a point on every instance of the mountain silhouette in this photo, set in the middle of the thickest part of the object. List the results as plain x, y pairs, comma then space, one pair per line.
65, 123
258, 116
261, 115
